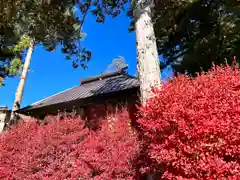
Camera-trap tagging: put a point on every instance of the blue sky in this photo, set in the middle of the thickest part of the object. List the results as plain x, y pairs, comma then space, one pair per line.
50, 73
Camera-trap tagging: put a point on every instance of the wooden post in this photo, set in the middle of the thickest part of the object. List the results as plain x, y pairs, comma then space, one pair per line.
147, 55
21, 85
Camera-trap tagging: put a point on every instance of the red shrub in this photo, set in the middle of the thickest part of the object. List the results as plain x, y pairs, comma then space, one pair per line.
65, 150
192, 127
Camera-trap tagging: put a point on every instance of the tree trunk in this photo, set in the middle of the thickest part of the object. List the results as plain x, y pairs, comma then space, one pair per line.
21, 85
147, 55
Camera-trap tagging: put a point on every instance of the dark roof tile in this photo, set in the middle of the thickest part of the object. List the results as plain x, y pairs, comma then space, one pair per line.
108, 84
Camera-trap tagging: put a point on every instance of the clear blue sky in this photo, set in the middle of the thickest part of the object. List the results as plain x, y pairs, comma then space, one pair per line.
51, 73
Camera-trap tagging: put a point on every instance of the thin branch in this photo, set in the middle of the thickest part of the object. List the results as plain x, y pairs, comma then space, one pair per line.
83, 19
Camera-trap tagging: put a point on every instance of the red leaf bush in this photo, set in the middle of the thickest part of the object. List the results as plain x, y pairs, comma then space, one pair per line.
192, 127
64, 149
190, 130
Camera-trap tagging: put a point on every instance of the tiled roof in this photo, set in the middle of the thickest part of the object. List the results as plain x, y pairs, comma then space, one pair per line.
3, 108
94, 86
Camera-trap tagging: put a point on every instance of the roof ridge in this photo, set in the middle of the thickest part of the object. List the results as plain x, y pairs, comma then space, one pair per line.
102, 76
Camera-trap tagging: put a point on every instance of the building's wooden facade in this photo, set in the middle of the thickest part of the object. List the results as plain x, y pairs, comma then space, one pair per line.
94, 98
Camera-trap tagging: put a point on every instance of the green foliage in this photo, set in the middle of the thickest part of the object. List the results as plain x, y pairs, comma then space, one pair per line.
191, 35
21, 45
111, 8
1, 81
50, 23
16, 63
11, 58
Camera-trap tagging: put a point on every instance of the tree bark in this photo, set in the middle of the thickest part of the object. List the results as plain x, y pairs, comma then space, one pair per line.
21, 85
147, 55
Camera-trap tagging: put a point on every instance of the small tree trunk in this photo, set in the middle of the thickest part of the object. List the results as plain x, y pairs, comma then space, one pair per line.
21, 85
147, 60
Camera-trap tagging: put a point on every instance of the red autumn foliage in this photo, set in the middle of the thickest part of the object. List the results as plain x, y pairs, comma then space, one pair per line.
190, 130
192, 127
64, 149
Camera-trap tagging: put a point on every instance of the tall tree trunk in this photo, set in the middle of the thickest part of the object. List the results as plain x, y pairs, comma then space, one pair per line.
147, 55
21, 85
